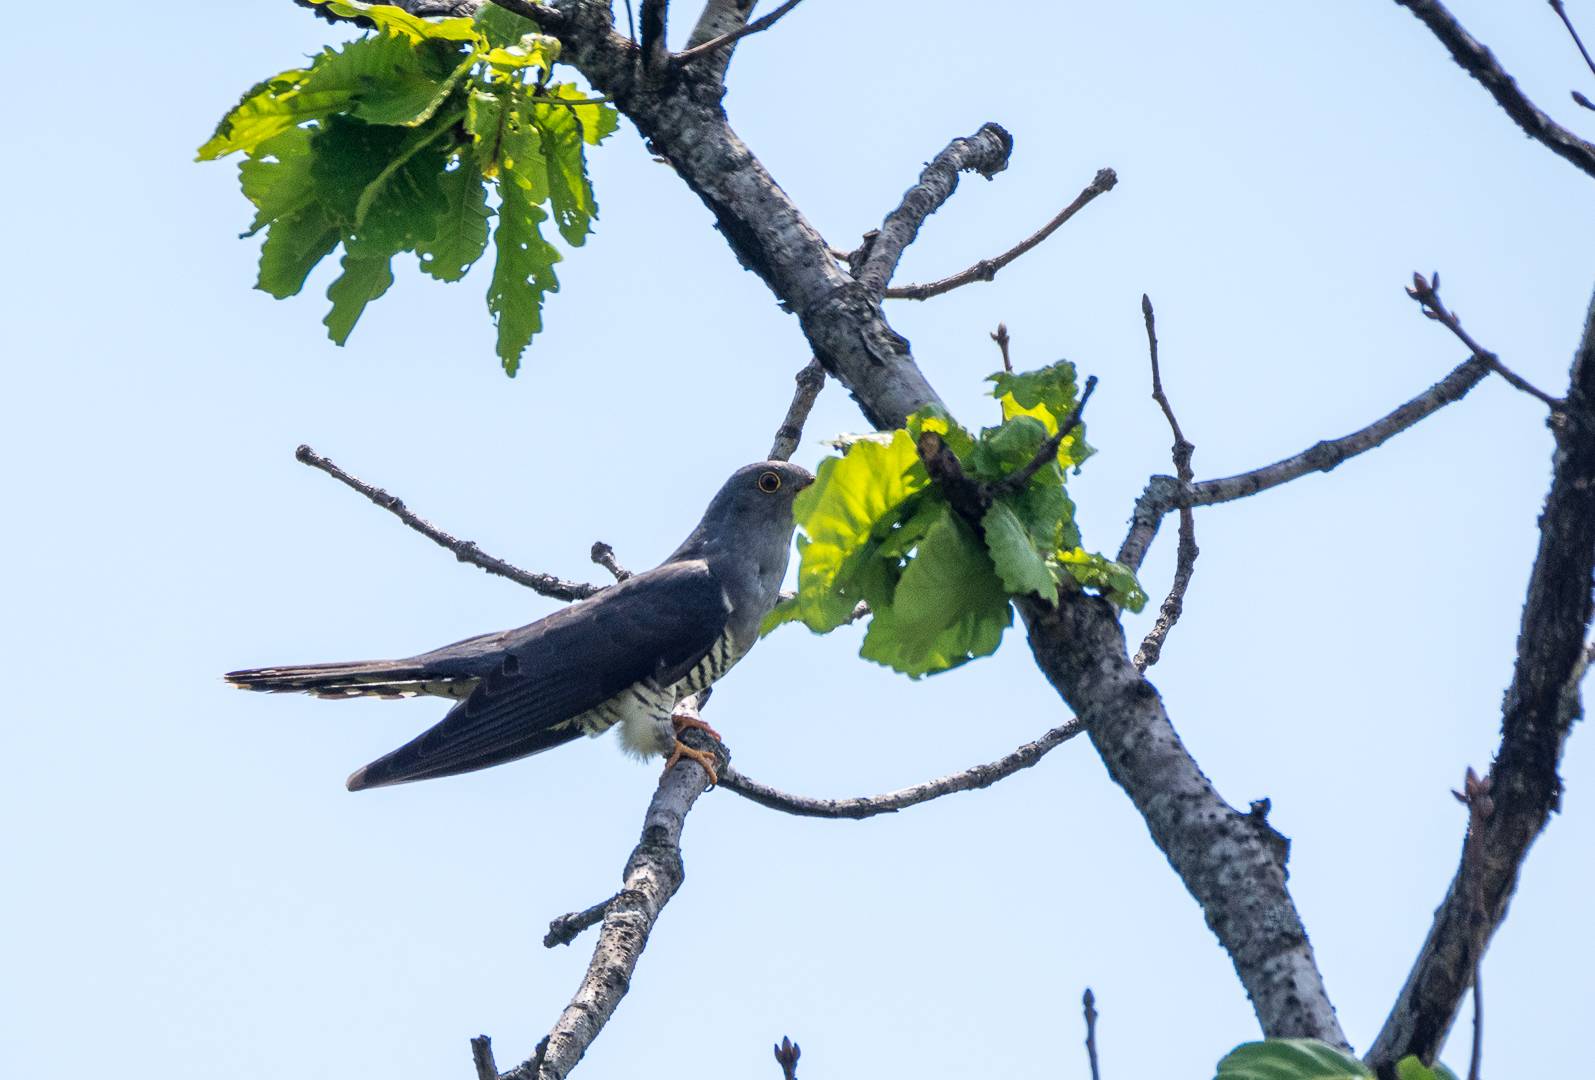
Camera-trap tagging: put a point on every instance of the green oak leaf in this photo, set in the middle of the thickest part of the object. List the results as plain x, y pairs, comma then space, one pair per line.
276, 177
784, 612
948, 606
502, 27
1005, 449
1290, 1059
381, 181
397, 22
1048, 395
1410, 1068
462, 227
366, 276
294, 245
522, 273
570, 193
1047, 513
268, 109
1019, 566
1114, 581
845, 516
389, 80
906, 533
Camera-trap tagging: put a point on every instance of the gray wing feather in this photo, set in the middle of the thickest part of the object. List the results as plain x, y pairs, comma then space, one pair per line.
656, 625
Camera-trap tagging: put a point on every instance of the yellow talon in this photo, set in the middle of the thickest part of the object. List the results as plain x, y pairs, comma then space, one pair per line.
682, 750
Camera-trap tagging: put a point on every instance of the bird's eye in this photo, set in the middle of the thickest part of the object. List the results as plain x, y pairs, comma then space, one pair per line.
769, 482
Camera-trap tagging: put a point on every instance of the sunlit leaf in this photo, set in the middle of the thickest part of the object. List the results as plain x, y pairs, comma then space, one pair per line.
1114, 581
522, 274
462, 227
1019, 566
399, 23
366, 276
1290, 1059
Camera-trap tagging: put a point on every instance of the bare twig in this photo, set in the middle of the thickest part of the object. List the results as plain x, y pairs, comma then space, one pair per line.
985, 152
1185, 561
1002, 339
810, 381
1477, 61
604, 556
970, 779
464, 550
482, 1057
653, 874
653, 16
567, 928
631, 22
1582, 100
687, 57
1165, 493
986, 269
787, 1054
1428, 297
1556, 5
1091, 1030
1016, 480
1537, 714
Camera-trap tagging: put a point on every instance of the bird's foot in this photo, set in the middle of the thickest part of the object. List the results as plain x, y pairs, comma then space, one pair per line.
682, 750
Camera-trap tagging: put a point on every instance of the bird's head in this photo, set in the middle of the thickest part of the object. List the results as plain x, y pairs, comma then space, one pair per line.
751, 513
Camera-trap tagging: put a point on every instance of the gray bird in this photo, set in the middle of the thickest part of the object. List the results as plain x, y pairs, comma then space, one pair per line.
625, 656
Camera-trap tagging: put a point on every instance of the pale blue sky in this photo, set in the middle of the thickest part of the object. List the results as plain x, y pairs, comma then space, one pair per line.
190, 888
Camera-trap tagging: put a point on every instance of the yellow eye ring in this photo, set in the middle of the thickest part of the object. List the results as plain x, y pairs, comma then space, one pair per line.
769, 483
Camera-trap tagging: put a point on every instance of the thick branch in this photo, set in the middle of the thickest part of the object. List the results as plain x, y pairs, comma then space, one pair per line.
971, 779
1477, 61
464, 550
985, 152
1232, 863
653, 874
719, 18
810, 381
1539, 708
986, 269
1165, 493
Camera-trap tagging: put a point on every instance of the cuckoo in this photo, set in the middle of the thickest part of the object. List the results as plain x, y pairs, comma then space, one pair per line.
625, 656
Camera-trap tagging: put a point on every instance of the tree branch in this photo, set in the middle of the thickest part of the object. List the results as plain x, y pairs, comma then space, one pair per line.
1185, 560
652, 875
652, 19
464, 550
1165, 493
567, 928
1539, 709
482, 1058
971, 779
810, 381
1556, 5
719, 18
986, 269
1428, 298
1477, 61
604, 556
985, 152
687, 57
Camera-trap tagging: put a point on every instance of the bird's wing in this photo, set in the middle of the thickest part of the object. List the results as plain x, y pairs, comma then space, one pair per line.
658, 625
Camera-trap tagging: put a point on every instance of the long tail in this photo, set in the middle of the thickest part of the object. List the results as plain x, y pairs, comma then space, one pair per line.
372, 678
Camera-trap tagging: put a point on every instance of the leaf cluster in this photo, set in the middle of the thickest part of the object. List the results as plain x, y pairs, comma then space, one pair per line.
390, 144
1310, 1059
876, 528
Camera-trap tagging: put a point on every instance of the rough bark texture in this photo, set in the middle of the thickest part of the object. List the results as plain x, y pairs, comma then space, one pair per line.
1232, 863
1539, 709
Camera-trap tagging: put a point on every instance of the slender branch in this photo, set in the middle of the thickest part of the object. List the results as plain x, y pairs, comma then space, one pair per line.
652, 17
604, 556
464, 550
567, 928
652, 875
1536, 716
986, 269
1016, 480
787, 1054
1165, 493
1002, 339
971, 779
1580, 99
1477, 61
687, 57
1091, 1030
985, 152
482, 1058
810, 381
1556, 5
1428, 298
1185, 560
1475, 795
